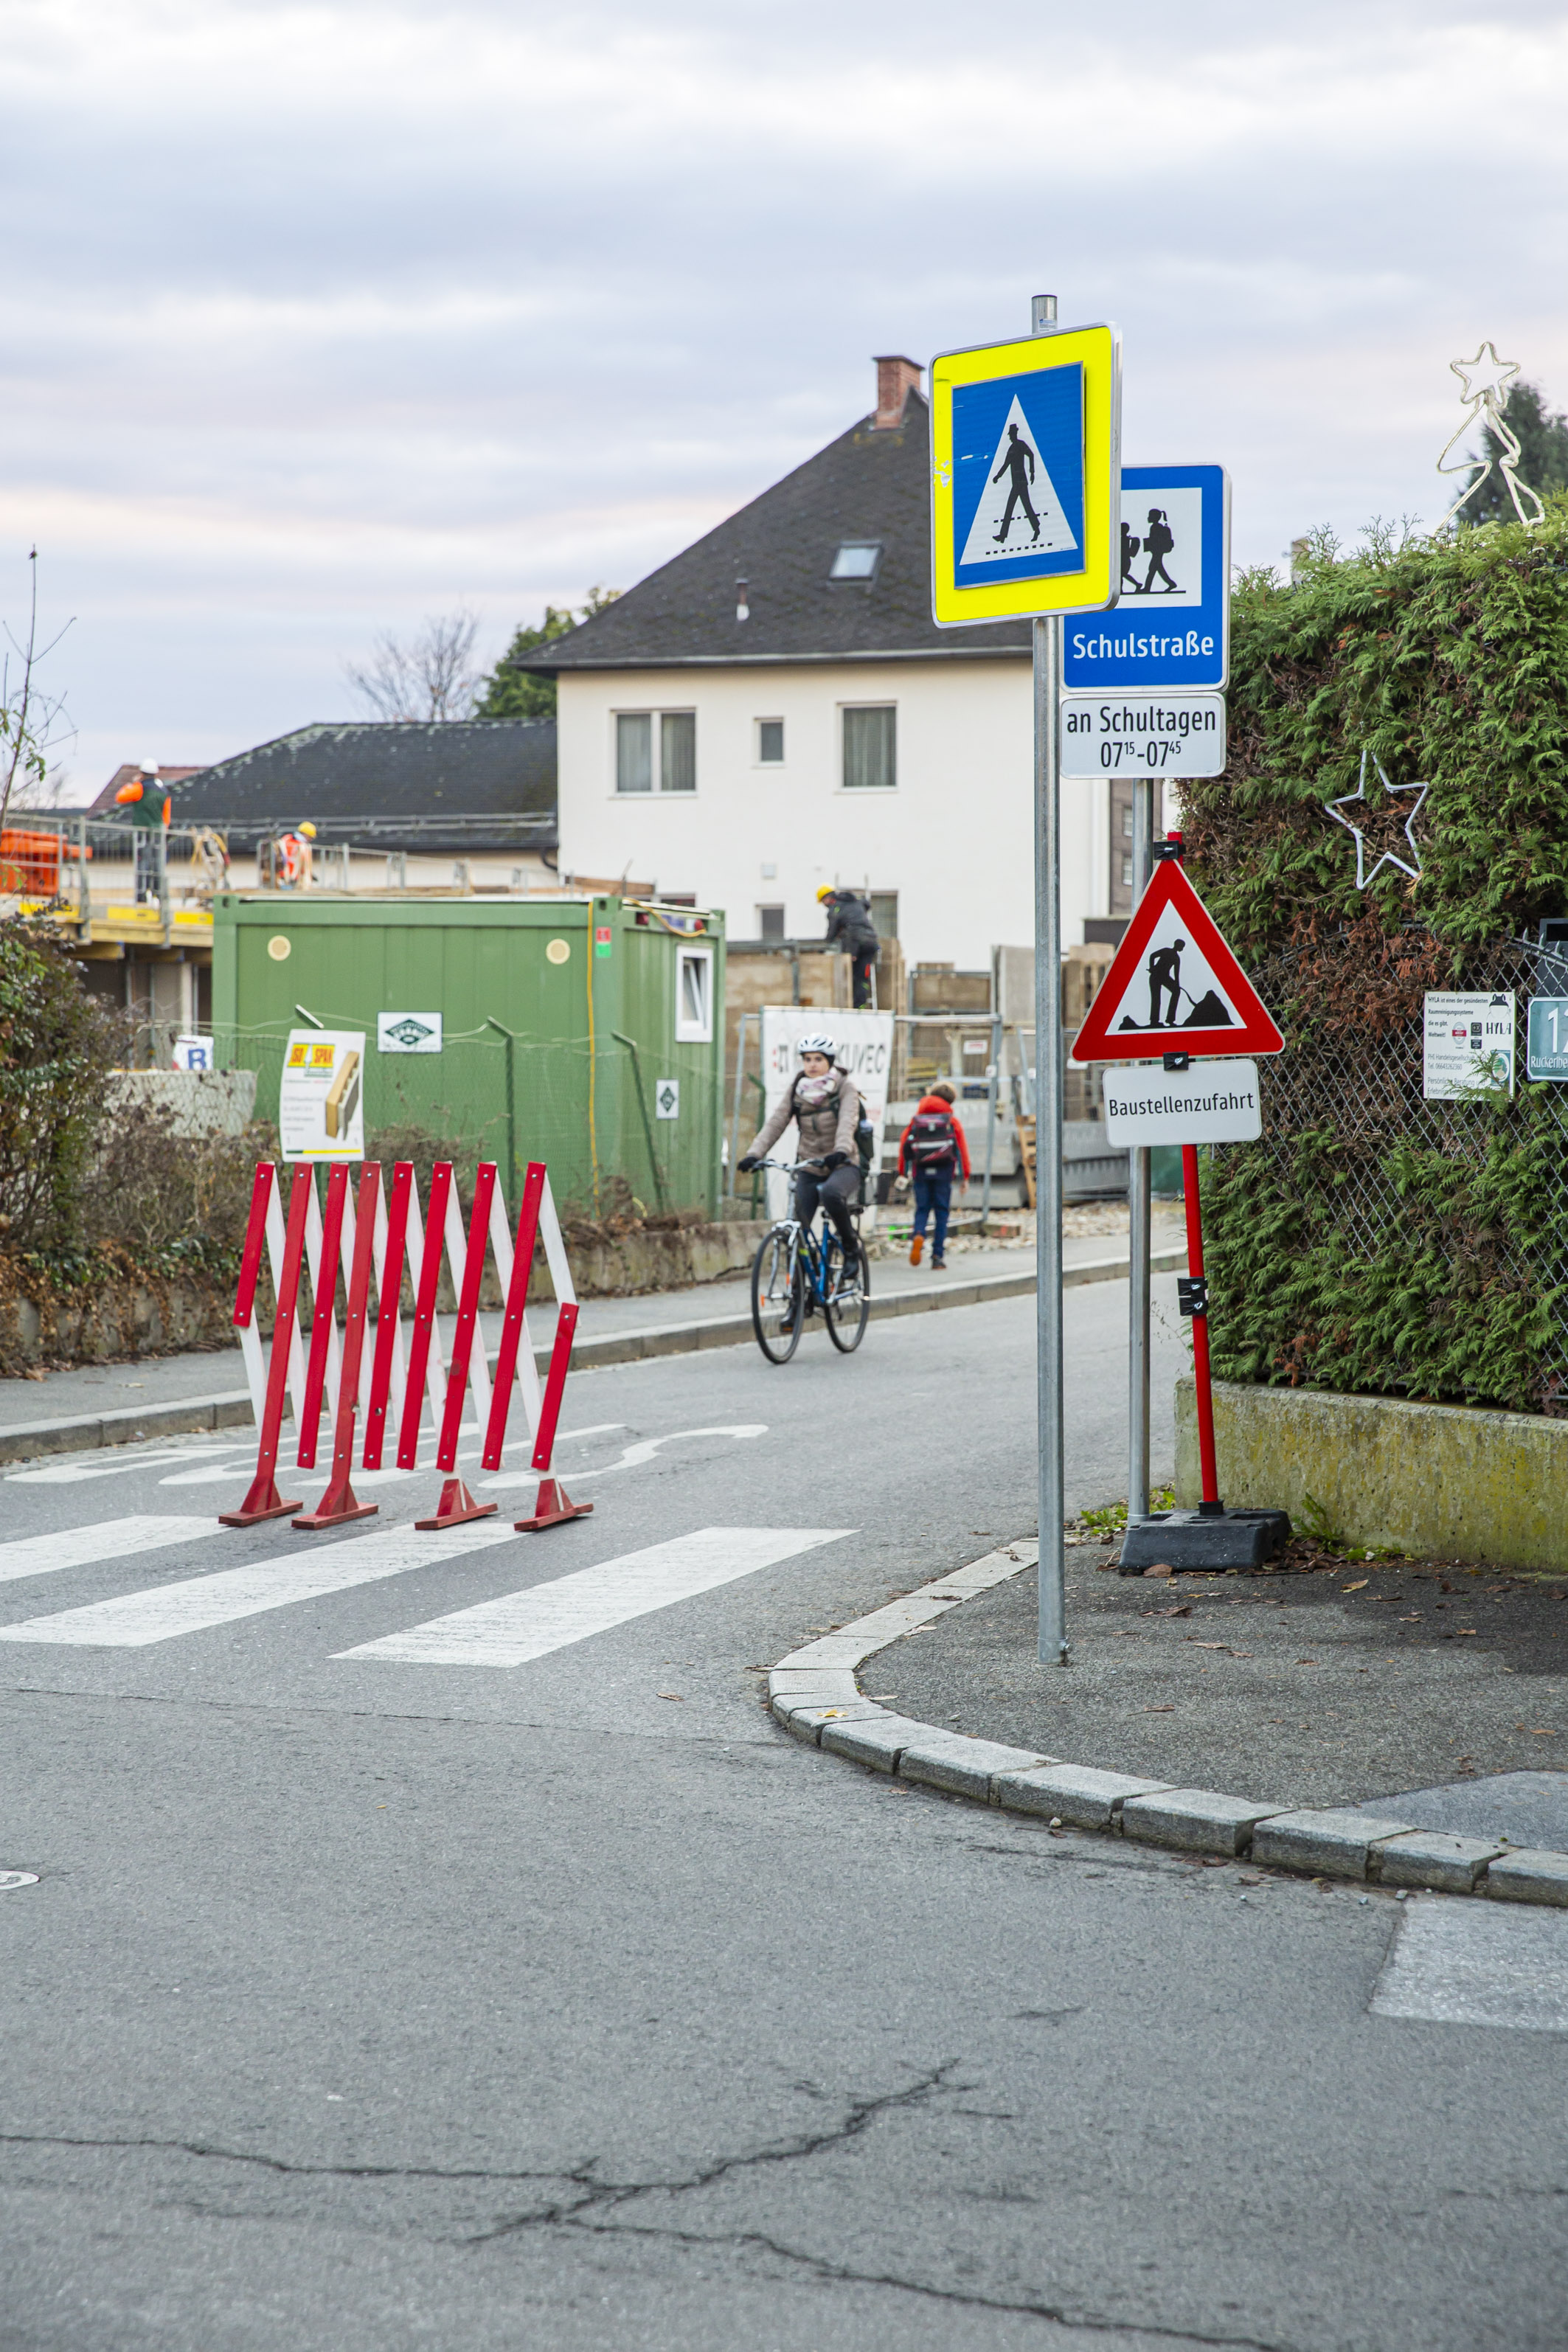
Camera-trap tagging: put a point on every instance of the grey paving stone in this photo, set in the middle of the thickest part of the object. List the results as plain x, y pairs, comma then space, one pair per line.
1087, 1798
1530, 1874
1428, 1858
822, 1685
943, 1760
806, 1723
879, 1744
1336, 1841
1195, 1820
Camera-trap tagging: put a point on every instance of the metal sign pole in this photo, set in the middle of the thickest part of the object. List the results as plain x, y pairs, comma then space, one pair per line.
1138, 1196
1048, 1089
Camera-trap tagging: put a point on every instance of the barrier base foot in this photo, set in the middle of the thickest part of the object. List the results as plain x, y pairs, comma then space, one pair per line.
553, 1507
263, 1502
338, 1506
456, 1506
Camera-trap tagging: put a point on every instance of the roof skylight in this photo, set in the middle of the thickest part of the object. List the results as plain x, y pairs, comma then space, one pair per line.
856, 559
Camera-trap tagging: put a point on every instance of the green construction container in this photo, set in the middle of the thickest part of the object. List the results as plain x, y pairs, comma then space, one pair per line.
587, 1033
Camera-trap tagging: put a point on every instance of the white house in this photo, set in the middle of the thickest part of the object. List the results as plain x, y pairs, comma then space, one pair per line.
775, 709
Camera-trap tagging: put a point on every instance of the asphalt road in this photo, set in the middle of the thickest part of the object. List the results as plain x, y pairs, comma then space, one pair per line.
634, 2025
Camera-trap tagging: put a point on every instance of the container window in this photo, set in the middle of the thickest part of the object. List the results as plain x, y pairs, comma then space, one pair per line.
694, 996
869, 748
770, 742
633, 751
678, 751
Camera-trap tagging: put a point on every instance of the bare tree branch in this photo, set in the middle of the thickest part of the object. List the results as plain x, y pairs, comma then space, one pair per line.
427, 677
31, 721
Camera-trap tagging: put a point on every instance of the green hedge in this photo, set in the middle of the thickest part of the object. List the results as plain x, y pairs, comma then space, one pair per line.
1375, 1243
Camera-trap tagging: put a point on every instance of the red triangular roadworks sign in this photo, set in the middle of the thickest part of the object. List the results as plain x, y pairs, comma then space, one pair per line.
1175, 987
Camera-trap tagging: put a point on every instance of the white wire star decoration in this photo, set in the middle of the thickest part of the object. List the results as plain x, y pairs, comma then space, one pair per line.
1487, 381
1388, 857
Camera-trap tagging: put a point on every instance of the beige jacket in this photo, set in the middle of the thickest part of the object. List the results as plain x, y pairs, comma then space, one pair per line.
830, 1127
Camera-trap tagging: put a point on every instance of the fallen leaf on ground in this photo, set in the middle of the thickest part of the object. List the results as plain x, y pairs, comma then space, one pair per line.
1204, 1645
1180, 1608
1359, 1586
1538, 1732
1306, 1662
676, 1694
1160, 1568
1157, 1710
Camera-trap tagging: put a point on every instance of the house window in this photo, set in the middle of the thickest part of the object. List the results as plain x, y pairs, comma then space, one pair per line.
655, 750
856, 559
770, 742
694, 996
868, 748
884, 912
633, 751
771, 923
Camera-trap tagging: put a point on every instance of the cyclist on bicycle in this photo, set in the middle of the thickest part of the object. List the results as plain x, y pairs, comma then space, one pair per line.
825, 1104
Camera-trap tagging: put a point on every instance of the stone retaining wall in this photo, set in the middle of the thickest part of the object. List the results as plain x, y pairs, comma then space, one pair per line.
1435, 1481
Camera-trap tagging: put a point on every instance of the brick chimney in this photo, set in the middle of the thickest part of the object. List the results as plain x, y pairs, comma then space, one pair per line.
896, 379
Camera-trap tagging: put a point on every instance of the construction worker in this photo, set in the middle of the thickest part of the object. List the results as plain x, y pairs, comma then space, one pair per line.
148, 806
849, 927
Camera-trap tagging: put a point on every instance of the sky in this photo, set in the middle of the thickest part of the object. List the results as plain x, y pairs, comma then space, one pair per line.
320, 318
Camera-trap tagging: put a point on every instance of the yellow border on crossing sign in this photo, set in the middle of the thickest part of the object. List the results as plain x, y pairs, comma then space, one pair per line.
1098, 351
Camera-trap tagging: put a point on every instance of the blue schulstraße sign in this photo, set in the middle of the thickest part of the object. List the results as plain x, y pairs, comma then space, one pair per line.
1171, 625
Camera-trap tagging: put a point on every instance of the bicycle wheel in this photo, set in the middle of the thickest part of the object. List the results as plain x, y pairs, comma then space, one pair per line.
848, 1306
776, 1297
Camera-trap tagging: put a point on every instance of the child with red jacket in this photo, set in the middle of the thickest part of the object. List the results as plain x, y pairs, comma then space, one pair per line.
932, 1149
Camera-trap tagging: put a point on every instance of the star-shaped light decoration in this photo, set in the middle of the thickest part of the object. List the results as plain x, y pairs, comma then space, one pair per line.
1388, 857
1487, 381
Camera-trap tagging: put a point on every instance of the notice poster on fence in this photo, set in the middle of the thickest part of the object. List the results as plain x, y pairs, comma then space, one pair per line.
1468, 1043
865, 1043
321, 1095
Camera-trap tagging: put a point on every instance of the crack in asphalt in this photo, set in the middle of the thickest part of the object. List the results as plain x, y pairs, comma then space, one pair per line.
284, 2165
607, 2195
841, 2273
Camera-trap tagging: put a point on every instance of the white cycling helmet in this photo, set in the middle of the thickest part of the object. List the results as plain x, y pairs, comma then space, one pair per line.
819, 1043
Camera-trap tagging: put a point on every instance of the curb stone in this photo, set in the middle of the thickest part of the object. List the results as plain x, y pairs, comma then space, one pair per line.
815, 1694
82, 1433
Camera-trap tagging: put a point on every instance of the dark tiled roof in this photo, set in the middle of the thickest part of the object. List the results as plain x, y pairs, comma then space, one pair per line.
469, 783
867, 485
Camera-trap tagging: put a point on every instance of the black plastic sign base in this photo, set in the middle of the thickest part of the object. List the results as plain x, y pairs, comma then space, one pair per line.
1189, 1539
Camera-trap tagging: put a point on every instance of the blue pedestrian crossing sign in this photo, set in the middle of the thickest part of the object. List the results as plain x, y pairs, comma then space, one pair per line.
1172, 623
1024, 448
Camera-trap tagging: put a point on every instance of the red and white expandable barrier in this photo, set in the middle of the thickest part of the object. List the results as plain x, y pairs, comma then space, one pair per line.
386, 1238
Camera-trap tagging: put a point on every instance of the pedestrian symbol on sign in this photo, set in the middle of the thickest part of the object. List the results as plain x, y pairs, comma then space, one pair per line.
666, 1098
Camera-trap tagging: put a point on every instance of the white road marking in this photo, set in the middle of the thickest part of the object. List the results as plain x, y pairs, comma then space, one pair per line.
71, 1474
108, 1539
518, 1626
632, 1456
200, 1602
1460, 1962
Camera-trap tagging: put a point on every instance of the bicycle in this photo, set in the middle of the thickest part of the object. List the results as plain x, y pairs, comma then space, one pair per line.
793, 1273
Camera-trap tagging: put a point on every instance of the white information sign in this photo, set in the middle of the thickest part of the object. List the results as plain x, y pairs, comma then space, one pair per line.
321, 1095
408, 1033
1468, 1043
193, 1054
666, 1098
1212, 1102
864, 1042
1143, 734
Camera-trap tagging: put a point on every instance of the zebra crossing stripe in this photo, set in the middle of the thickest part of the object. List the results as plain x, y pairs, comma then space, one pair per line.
107, 1539
198, 1602
518, 1626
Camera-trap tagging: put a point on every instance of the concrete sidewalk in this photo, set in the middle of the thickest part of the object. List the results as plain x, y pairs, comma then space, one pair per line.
106, 1404
1336, 1684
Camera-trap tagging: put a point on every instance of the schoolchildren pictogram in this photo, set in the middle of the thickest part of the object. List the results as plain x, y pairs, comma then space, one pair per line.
1175, 987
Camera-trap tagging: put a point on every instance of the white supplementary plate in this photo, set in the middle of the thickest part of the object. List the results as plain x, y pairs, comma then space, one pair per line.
1213, 1102
1161, 734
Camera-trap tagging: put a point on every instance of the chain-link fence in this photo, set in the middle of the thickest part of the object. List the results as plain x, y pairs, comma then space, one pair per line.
1378, 1242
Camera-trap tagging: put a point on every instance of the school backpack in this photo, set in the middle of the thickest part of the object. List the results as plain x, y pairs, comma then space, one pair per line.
934, 1140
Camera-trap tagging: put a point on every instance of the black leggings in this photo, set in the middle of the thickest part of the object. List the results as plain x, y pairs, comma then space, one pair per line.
835, 1193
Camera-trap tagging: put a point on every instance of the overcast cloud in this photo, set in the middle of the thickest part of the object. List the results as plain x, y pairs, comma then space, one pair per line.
322, 318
